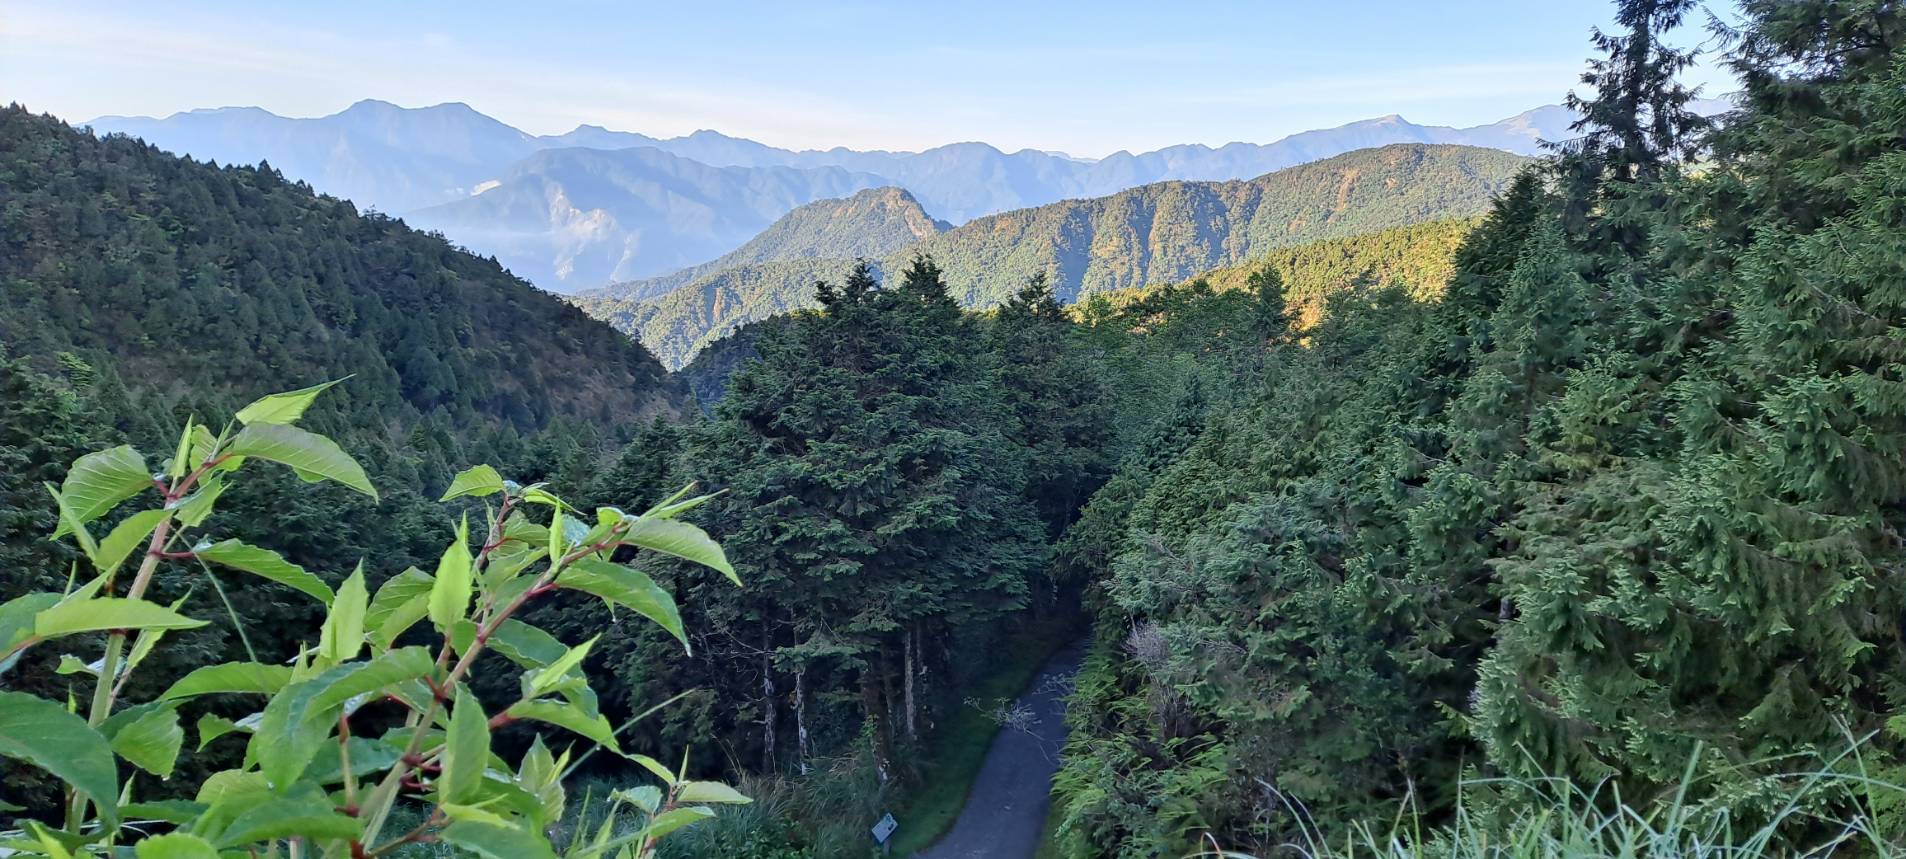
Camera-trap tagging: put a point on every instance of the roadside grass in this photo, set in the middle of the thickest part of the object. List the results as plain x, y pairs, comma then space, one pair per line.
1839, 809
1049, 837
957, 748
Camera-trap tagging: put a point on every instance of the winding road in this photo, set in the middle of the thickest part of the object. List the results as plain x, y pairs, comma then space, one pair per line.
1006, 811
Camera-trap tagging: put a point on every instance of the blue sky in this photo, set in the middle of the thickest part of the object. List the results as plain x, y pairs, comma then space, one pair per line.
1085, 77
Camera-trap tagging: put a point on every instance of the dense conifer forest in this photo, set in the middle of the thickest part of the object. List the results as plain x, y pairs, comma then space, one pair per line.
1569, 530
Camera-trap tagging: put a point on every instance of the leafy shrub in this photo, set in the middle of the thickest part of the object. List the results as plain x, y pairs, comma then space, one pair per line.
370, 721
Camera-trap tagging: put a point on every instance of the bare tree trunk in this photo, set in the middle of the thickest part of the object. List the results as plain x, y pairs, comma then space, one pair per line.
875, 705
769, 707
800, 717
912, 635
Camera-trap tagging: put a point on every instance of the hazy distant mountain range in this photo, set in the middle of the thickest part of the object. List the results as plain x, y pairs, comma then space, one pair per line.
570, 220
589, 216
1156, 233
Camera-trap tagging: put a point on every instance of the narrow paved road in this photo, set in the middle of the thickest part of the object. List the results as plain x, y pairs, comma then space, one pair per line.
1006, 811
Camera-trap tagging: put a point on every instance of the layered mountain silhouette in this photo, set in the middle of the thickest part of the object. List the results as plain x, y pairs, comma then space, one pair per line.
1157, 233
589, 216
572, 222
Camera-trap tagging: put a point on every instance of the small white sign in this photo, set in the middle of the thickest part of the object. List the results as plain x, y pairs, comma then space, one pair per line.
884, 829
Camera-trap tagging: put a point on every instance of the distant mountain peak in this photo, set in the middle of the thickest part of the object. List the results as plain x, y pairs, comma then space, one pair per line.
228, 109
369, 105
405, 160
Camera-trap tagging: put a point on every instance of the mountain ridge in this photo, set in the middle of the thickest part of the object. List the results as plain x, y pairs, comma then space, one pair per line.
871, 223
1155, 233
408, 160
591, 216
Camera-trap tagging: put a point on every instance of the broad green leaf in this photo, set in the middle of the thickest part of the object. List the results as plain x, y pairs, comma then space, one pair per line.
126, 537
458, 812
462, 636
685, 541
196, 507
293, 727
343, 633
53, 844
474, 482
655, 766
450, 595
212, 727
647, 797
519, 527
401, 601
492, 841
17, 616
225, 786
362, 678
179, 811
368, 755
558, 536
204, 444
526, 645
70, 523
713, 792
510, 559
148, 737
312, 456
536, 494
626, 587
246, 677
97, 482
285, 408
266, 563
308, 816
569, 717
148, 639
42, 733
546, 679
540, 773
673, 819
105, 613
175, 845
182, 455
400, 621
466, 750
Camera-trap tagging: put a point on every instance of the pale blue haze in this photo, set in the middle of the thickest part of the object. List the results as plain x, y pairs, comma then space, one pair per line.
1086, 77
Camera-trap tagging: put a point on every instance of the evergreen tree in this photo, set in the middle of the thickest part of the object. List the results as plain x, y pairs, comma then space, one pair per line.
874, 491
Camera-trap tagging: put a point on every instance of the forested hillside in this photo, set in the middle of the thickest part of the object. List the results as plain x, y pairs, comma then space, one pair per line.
1616, 506
1154, 234
141, 289
1425, 502
872, 224
1419, 259
117, 251
1621, 508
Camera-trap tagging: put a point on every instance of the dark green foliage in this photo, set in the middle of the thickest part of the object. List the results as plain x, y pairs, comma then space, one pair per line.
872, 491
1058, 408
707, 375
1631, 489
140, 288
112, 246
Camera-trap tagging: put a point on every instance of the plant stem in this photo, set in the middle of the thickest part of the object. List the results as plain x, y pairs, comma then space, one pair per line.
104, 688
